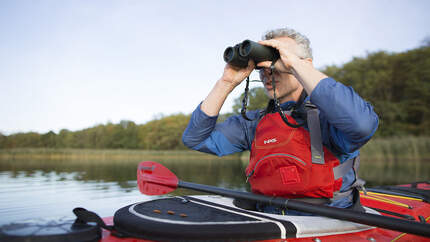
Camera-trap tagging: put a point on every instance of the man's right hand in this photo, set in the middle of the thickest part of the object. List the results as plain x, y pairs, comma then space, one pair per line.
233, 76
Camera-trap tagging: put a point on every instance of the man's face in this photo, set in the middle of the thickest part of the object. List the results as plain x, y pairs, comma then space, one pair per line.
287, 86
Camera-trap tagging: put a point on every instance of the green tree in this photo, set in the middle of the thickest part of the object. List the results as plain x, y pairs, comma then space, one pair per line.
125, 135
164, 133
2, 141
397, 85
257, 99
48, 140
65, 139
18, 140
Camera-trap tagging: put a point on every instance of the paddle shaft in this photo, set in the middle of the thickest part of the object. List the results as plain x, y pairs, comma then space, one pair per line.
322, 210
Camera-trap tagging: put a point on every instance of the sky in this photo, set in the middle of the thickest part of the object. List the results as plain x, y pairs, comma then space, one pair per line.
74, 64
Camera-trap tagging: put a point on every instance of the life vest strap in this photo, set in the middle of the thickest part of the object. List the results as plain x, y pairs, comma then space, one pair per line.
339, 195
341, 170
314, 127
317, 153
317, 150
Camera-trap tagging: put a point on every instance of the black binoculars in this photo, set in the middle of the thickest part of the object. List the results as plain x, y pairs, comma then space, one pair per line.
240, 54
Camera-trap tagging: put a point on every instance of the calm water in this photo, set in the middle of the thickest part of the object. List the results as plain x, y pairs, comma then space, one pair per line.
51, 189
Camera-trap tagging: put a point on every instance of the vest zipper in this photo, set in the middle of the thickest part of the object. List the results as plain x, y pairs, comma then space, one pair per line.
280, 154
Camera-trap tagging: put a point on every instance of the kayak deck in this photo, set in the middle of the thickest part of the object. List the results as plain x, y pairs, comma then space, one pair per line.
387, 202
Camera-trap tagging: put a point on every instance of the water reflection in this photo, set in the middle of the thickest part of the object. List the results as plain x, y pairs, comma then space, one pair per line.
51, 189
212, 172
45, 189
394, 171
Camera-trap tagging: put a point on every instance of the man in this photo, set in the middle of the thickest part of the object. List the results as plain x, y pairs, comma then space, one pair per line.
346, 122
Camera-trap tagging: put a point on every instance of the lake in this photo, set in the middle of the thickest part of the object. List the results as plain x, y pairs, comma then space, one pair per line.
49, 189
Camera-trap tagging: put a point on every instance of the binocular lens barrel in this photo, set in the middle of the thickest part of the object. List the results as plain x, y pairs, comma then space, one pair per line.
228, 54
257, 52
240, 54
232, 56
245, 48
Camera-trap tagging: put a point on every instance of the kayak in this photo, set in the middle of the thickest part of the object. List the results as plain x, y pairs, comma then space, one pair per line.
217, 218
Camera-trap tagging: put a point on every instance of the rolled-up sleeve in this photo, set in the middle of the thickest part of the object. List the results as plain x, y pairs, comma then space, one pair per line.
204, 134
199, 128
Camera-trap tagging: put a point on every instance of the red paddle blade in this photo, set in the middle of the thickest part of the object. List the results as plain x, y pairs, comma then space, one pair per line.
155, 179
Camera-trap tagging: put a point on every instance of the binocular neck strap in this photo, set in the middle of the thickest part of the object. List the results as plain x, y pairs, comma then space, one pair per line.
276, 101
245, 101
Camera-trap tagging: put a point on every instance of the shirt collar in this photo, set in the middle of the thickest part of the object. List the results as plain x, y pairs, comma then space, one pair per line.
287, 105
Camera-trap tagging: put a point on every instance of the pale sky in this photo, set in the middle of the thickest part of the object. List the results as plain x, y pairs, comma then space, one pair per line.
73, 64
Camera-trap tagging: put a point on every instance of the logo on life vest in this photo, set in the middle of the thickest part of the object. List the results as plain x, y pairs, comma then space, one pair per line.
270, 141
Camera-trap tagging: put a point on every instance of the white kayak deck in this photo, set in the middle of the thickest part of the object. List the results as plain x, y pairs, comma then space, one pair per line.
307, 226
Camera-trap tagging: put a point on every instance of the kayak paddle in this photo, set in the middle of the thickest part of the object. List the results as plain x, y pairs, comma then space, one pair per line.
155, 179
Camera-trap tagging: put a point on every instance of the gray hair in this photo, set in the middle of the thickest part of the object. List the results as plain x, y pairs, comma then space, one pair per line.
301, 40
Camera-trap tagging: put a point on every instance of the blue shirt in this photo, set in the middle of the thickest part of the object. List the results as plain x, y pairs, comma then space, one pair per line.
347, 123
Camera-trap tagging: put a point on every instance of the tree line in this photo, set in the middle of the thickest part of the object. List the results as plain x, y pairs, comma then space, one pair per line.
164, 133
396, 84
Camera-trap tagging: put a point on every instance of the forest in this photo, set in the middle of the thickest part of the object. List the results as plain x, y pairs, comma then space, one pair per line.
396, 84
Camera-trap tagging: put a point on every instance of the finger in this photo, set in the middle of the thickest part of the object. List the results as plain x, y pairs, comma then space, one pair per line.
271, 42
232, 67
264, 64
251, 65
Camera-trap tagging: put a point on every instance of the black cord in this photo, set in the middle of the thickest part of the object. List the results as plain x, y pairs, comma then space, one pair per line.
245, 101
276, 101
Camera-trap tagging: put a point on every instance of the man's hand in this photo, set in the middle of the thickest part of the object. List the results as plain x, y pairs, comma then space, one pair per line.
233, 76
287, 51
292, 61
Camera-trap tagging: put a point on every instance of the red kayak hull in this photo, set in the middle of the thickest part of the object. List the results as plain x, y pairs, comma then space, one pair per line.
394, 205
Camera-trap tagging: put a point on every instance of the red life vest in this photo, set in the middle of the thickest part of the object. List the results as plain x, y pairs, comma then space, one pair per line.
281, 164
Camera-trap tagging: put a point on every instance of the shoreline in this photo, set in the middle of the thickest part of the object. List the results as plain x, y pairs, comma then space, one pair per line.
395, 149
104, 154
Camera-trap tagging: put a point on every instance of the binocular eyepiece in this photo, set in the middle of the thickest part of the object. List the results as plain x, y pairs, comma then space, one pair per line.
240, 54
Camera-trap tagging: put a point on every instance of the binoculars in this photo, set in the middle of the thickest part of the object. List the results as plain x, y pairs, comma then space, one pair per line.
240, 54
